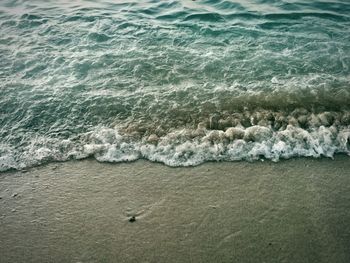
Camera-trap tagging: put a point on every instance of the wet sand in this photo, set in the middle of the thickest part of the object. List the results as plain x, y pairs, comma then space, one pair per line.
291, 211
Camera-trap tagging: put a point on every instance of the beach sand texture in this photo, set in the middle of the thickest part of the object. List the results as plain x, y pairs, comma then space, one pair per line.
292, 211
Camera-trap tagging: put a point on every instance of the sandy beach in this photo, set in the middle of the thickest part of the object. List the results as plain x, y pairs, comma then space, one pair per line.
292, 211
175, 131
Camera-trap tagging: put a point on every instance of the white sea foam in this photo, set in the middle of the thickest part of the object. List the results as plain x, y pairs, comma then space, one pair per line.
187, 147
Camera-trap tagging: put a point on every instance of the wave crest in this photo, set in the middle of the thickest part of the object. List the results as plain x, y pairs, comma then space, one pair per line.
186, 146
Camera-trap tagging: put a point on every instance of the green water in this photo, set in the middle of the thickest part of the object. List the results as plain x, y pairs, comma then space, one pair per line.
179, 82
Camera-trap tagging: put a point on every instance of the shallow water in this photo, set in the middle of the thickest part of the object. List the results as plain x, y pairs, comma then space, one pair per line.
180, 82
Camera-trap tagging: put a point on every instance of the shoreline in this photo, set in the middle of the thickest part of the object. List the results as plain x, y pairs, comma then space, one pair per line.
260, 160
295, 210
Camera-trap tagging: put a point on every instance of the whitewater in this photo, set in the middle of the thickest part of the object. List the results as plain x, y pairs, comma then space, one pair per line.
177, 82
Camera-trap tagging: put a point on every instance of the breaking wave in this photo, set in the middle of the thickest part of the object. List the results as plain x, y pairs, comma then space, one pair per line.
269, 135
177, 82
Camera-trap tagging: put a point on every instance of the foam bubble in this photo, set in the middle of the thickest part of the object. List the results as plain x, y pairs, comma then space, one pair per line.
324, 135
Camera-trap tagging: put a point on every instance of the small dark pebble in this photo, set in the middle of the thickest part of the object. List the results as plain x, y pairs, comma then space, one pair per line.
270, 244
132, 219
14, 194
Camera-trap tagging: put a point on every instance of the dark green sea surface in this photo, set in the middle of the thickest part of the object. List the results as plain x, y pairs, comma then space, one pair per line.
179, 82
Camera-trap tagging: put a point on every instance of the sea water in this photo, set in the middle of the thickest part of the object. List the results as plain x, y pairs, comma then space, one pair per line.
178, 82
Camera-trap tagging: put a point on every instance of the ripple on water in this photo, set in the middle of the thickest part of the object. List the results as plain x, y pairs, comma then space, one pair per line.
179, 82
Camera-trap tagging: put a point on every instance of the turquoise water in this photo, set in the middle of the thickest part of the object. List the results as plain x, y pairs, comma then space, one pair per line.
179, 82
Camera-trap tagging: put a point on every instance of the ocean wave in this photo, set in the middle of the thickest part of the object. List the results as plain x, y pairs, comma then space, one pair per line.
178, 82
261, 136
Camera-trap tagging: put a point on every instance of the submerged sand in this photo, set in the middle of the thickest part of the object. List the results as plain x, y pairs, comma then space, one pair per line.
291, 211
